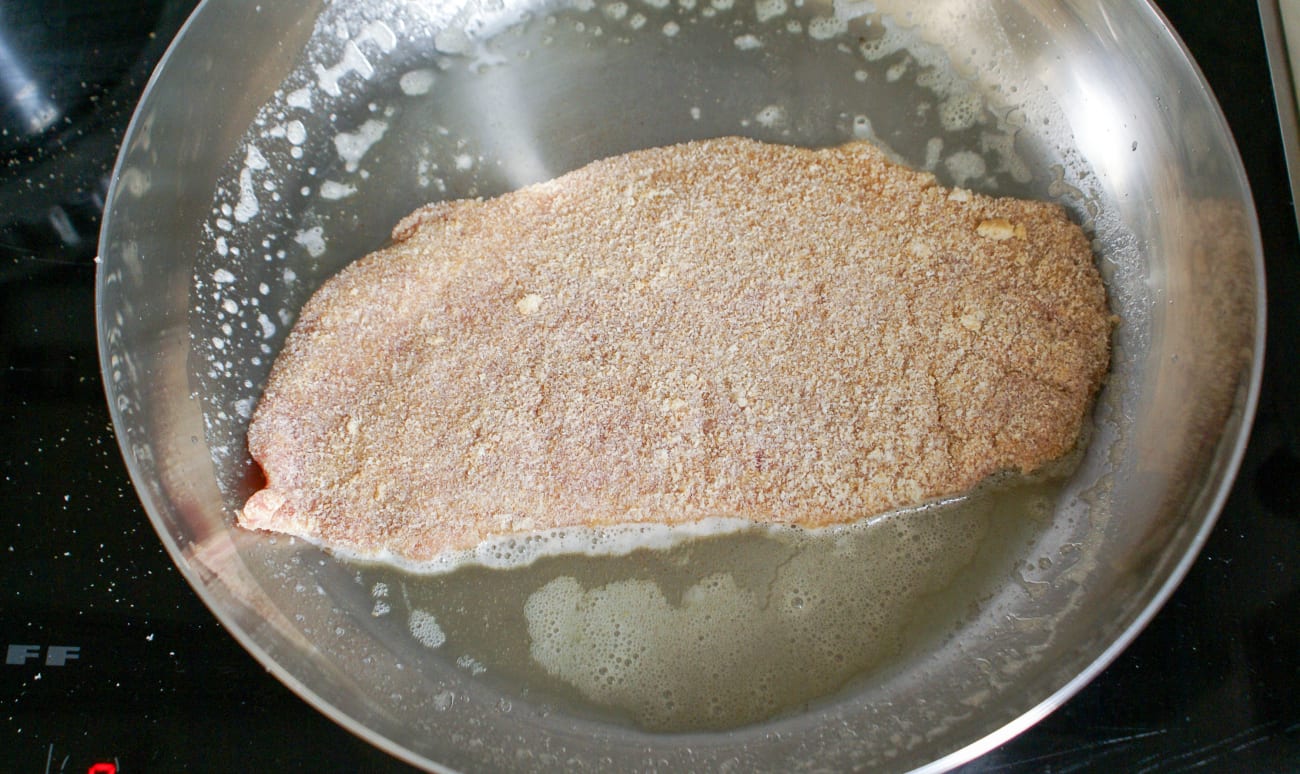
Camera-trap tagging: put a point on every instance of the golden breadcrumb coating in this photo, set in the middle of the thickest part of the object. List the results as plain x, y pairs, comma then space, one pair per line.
718, 328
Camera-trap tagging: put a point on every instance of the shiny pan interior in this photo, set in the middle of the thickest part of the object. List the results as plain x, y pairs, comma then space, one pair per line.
279, 141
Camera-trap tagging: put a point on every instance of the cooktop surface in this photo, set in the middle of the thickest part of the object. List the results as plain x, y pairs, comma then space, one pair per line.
113, 664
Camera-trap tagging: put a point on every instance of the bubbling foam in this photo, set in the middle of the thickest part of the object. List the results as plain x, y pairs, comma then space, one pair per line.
733, 650
425, 629
514, 551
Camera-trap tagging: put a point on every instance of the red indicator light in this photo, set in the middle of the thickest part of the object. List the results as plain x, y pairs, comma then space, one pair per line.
103, 768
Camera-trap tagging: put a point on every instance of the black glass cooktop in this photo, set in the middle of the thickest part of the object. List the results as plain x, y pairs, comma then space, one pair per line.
113, 664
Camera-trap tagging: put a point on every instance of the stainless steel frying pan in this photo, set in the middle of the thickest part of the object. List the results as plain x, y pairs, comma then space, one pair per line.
279, 141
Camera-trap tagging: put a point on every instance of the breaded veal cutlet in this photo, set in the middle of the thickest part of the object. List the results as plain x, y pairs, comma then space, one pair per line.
717, 328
